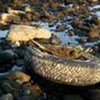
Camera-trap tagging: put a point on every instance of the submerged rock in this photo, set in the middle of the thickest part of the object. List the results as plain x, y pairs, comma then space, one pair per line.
25, 33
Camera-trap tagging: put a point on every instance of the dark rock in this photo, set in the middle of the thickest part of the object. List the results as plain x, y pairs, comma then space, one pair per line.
26, 97
7, 88
82, 40
73, 97
62, 27
94, 94
6, 55
1, 92
20, 62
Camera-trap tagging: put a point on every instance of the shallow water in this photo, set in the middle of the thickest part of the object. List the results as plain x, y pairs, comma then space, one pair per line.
3, 33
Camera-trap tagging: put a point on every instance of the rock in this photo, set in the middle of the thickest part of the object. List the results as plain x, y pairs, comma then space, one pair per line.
26, 92
29, 9
26, 97
1, 92
6, 55
82, 40
6, 18
94, 94
62, 27
20, 51
20, 62
19, 77
7, 88
7, 97
94, 32
54, 39
73, 97
29, 17
25, 33
70, 33
12, 11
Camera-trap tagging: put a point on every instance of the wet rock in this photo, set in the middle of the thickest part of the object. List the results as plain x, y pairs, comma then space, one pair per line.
82, 40
7, 97
20, 62
19, 77
35, 89
25, 33
94, 32
26, 92
6, 55
20, 51
60, 28
73, 97
7, 88
94, 94
54, 39
29, 9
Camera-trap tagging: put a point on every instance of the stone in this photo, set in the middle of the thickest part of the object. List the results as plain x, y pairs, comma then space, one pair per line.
29, 9
7, 88
20, 62
26, 97
82, 40
73, 97
26, 33
1, 92
6, 18
94, 94
6, 55
61, 27
94, 32
26, 92
8, 96
12, 11
19, 77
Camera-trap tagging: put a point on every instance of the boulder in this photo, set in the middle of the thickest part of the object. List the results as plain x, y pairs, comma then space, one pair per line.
19, 77
26, 33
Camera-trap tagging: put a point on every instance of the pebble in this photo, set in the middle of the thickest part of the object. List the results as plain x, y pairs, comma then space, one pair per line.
7, 88
22, 77
8, 96
6, 55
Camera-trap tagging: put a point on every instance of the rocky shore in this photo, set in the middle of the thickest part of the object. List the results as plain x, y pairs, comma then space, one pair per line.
66, 28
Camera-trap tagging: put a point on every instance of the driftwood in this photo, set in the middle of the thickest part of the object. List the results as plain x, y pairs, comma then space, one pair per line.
66, 52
